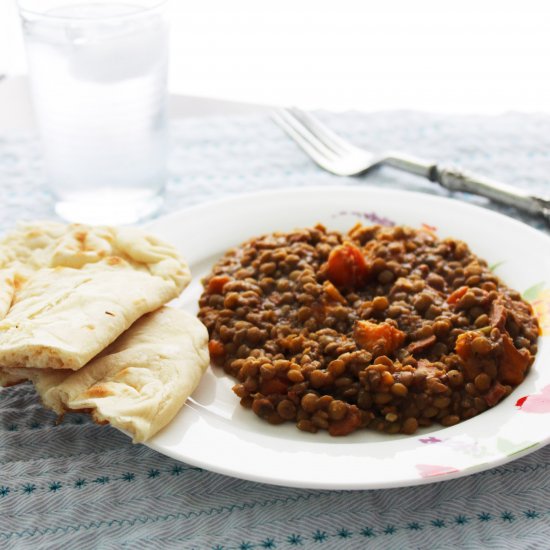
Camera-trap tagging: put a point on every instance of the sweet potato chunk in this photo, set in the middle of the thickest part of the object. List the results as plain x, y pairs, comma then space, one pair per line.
347, 267
514, 363
216, 284
217, 352
348, 424
333, 293
463, 348
455, 296
379, 339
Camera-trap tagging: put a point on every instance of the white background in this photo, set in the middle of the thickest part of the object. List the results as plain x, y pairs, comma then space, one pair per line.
469, 56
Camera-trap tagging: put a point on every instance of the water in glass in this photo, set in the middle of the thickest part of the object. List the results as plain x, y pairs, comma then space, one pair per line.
98, 81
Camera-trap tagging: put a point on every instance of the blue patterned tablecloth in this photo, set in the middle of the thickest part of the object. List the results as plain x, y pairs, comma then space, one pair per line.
78, 485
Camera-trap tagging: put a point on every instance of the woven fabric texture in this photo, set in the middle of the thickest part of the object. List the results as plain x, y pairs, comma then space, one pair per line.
78, 485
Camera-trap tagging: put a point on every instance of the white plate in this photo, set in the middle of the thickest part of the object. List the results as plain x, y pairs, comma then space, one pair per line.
214, 432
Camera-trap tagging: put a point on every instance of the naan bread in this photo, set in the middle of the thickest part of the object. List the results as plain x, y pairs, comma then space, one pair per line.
139, 382
9, 377
68, 291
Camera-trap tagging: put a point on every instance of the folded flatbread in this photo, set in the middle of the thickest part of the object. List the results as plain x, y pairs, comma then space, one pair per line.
138, 383
68, 291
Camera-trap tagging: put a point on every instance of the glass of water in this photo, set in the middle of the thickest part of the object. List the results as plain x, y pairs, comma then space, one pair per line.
98, 83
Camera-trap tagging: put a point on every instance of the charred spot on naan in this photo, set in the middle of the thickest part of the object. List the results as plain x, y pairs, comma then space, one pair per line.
115, 260
99, 391
83, 244
132, 378
18, 281
122, 373
80, 237
97, 420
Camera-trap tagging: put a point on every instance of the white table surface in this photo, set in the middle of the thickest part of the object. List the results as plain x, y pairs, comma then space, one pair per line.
16, 112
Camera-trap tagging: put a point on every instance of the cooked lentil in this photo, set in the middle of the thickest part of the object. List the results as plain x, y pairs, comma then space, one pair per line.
383, 328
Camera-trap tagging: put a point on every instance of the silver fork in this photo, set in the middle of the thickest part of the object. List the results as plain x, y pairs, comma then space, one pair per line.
342, 158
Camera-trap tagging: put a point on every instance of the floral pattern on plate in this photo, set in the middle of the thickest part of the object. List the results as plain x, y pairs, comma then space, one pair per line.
537, 403
429, 470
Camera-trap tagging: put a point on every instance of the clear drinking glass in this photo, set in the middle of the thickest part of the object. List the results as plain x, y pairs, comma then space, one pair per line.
98, 83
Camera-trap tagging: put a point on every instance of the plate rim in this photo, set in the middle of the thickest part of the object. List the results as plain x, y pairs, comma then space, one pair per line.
229, 198
170, 218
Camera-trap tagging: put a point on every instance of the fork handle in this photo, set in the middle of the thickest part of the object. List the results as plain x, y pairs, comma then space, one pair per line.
455, 179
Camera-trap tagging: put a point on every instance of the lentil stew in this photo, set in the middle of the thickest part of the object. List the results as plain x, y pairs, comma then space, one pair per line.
383, 328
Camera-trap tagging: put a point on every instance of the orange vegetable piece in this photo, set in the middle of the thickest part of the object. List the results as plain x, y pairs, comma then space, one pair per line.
379, 339
347, 266
514, 363
348, 424
217, 351
455, 296
333, 293
463, 348
216, 284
